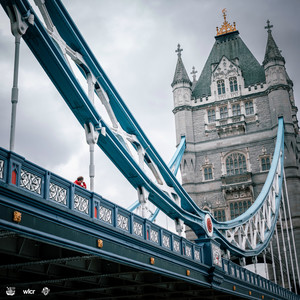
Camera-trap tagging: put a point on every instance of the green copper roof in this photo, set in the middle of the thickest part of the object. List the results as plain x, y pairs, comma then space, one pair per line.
231, 46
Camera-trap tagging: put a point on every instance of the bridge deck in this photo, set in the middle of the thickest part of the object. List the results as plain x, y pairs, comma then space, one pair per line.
79, 245
27, 263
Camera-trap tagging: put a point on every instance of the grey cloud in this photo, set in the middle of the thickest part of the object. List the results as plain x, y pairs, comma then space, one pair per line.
135, 42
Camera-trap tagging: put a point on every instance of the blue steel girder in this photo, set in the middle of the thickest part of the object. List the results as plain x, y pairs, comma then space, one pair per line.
53, 62
254, 228
173, 165
71, 35
50, 56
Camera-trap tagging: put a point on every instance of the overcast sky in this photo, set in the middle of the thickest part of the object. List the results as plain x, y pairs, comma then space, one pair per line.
134, 42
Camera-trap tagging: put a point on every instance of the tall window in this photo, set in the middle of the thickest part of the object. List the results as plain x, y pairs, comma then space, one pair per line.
208, 173
221, 87
233, 84
236, 110
223, 112
211, 115
249, 108
265, 163
236, 164
239, 207
220, 215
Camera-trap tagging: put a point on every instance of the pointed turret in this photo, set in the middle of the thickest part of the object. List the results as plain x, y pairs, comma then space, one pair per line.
279, 84
180, 75
193, 73
272, 51
182, 91
274, 62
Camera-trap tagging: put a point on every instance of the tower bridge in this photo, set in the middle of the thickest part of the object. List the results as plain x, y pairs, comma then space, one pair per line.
58, 235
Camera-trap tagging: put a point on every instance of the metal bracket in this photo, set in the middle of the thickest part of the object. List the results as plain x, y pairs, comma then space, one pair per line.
91, 134
143, 198
17, 22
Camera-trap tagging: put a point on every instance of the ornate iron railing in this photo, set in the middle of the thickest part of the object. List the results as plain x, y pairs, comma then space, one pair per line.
46, 186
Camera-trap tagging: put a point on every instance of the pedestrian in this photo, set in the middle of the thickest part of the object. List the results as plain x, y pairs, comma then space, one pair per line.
80, 182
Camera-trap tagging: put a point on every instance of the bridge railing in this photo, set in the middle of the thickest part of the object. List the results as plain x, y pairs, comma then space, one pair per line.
240, 273
42, 187
42, 184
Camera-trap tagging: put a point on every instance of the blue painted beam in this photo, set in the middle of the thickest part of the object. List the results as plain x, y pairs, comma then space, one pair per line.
176, 159
134, 205
278, 159
173, 165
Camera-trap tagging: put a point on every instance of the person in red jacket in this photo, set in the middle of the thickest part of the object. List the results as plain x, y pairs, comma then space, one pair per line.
80, 182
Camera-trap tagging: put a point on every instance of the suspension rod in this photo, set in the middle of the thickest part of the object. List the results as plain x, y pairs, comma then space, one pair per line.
14, 94
284, 250
291, 226
279, 257
265, 264
273, 261
288, 238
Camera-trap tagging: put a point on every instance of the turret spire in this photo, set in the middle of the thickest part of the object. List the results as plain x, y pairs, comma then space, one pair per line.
194, 72
180, 71
272, 51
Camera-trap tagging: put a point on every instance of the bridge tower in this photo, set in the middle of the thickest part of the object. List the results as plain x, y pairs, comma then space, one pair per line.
281, 102
230, 123
182, 92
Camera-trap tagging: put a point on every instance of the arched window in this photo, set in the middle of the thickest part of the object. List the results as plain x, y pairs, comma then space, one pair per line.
208, 173
211, 115
223, 112
249, 108
265, 163
233, 84
221, 87
236, 110
236, 164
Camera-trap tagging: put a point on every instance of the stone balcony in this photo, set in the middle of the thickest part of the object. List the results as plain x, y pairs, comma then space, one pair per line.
238, 181
233, 125
237, 186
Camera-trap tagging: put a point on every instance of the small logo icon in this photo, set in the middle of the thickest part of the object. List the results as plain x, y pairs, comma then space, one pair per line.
28, 292
45, 291
10, 290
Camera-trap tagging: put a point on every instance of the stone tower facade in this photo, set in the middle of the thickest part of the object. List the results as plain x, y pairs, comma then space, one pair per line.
229, 117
